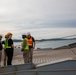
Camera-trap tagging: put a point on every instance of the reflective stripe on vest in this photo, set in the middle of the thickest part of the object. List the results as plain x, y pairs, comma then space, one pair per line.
30, 41
27, 47
6, 44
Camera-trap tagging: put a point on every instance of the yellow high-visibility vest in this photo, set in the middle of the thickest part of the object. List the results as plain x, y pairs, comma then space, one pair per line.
6, 43
27, 47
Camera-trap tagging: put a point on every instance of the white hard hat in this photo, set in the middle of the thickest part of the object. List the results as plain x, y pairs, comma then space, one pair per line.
28, 33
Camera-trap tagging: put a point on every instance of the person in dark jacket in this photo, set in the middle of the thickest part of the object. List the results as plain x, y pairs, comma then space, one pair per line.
0, 48
9, 48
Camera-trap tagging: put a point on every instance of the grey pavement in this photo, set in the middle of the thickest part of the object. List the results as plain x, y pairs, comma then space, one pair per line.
48, 56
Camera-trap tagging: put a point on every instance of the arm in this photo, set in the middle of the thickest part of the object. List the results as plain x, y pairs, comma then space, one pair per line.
33, 42
11, 43
12, 46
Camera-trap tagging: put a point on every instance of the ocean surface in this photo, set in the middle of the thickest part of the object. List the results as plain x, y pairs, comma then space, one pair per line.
50, 44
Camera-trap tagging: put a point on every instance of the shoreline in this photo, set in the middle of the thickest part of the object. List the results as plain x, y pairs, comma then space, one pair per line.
73, 45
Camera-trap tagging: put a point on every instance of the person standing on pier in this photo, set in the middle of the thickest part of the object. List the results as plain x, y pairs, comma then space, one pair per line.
1, 47
25, 49
31, 43
4, 43
9, 48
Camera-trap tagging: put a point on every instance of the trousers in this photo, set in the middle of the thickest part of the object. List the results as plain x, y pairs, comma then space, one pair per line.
0, 56
26, 56
9, 55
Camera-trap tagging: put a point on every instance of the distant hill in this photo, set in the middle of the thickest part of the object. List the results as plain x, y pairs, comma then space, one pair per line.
72, 45
19, 40
55, 39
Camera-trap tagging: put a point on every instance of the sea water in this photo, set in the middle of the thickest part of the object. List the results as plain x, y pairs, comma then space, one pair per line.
50, 44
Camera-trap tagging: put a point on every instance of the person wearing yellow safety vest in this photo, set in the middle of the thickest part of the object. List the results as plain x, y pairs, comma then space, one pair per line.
4, 42
25, 49
31, 43
1, 47
9, 48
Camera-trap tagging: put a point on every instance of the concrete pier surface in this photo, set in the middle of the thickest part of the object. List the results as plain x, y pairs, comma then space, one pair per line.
45, 61
42, 56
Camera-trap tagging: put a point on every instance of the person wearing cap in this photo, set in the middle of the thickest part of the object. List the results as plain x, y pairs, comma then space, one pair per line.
4, 43
31, 43
1, 47
25, 49
9, 48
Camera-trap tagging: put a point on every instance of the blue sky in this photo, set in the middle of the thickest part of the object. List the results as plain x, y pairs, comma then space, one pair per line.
21, 16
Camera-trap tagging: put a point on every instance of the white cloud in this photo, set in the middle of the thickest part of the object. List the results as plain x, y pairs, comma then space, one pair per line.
30, 10
46, 33
20, 15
